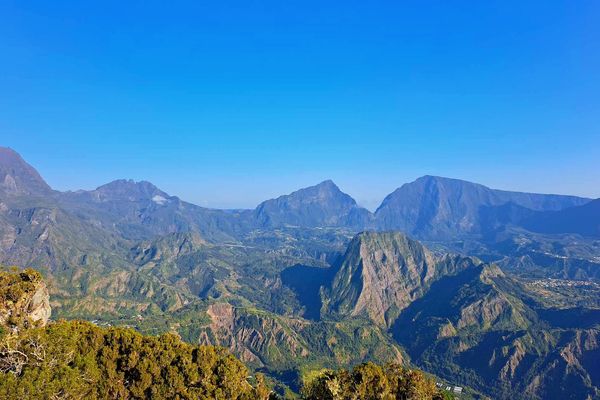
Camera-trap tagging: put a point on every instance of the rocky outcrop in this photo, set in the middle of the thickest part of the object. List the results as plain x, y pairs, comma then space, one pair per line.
382, 273
24, 300
38, 309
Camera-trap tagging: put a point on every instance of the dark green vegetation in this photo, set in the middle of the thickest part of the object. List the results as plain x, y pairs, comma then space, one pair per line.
370, 381
78, 360
291, 287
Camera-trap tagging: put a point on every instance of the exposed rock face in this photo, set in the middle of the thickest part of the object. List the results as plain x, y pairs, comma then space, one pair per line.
382, 273
253, 337
474, 323
39, 310
24, 300
462, 319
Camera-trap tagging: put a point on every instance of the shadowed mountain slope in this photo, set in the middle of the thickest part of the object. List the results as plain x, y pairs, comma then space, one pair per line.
584, 220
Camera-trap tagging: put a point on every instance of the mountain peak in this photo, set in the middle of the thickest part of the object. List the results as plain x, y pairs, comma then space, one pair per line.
126, 183
320, 205
329, 184
130, 190
325, 188
438, 208
381, 273
18, 177
375, 237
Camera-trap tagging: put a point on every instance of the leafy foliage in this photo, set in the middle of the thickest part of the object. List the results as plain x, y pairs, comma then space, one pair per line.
16, 287
370, 381
78, 360
14, 284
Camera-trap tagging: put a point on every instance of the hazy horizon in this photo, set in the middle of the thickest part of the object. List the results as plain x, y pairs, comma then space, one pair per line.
370, 205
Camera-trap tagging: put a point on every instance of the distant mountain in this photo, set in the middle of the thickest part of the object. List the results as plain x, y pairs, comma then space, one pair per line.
140, 210
584, 220
437, 208
431, 208
129, 190
18, 177
322, 205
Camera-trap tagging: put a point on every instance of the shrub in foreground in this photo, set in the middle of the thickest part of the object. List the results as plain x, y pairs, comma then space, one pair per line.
78, 360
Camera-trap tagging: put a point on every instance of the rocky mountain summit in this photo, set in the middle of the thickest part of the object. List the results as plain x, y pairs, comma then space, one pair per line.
382, 273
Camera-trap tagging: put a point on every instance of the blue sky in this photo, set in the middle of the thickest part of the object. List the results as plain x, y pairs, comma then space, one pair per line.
228, 103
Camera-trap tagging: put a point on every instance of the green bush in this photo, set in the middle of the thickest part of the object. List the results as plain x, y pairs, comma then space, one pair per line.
369, 382
14, 284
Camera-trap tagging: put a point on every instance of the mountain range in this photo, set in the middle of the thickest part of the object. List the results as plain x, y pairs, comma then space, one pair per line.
494, 290
430, 208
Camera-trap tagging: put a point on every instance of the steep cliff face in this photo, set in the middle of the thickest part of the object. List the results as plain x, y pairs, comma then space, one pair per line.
572, 370
382, 273
24, 300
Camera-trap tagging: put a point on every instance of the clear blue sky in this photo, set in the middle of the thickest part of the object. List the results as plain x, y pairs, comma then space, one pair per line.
228, 103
